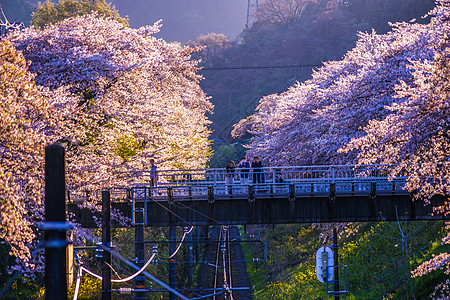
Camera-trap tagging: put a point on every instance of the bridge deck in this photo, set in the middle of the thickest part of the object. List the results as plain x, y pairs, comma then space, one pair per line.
288, 195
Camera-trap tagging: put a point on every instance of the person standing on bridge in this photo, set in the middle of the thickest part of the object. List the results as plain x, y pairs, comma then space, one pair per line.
257, 170
229, 175
244, 166
153, 173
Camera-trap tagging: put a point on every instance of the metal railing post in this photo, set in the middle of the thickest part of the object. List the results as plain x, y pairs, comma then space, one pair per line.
333, 174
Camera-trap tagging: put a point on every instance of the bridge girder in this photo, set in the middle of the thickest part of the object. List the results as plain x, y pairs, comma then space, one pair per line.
241, 211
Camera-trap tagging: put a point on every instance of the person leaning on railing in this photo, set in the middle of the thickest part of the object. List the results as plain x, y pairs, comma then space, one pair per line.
257, 169
229, 174
244, 166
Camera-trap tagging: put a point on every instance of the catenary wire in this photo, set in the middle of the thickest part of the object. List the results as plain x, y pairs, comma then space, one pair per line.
124, 279
217, 260
260, 67
81, 269
179, 245
134, 266
229, 262
173, 213
200, 213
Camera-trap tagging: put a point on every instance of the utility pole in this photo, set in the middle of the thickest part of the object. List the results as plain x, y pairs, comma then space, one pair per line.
252, 9
55, 226
336, 263
172, 261
106, 240
139, 247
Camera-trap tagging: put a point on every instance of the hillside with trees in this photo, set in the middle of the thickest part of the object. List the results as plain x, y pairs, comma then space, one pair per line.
117, 96
385, 102
308, 34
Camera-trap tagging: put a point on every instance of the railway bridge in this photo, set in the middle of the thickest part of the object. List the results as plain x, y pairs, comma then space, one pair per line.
296, 194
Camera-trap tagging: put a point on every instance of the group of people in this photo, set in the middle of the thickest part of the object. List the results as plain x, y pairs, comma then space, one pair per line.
244, 167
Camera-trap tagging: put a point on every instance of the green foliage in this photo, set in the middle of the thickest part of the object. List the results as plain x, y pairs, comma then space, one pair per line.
126, 146
289, 272
50, 13
224, 153
21, 288
24, 289
90, 288
213, 46
379, 259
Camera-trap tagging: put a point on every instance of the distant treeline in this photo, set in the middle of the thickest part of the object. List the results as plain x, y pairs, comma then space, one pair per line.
304, 33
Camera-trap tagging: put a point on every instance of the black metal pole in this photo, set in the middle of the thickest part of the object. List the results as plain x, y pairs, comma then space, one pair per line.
191, 263
172, 261
197, 244
55, 213
106, 240
139, 247
336, 263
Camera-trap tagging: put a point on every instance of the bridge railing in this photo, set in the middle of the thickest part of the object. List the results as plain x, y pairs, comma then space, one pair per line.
269, 190
306, 179
285, 174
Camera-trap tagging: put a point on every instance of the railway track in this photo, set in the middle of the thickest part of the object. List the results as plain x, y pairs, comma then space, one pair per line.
224, 276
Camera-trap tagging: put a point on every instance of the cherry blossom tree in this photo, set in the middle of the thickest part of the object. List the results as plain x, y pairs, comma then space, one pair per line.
24, 117
385, 102
309, 122
416, 135
114, 96
119, 85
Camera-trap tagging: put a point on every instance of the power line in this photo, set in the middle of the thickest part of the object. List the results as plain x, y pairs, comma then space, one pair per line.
179, 245
137, 268
173, 213
260, 67
198, 212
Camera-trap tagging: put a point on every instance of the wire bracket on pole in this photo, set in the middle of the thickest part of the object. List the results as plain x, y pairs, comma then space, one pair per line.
55, 227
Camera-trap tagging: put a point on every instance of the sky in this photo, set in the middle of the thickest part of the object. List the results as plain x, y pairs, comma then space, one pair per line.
185, 20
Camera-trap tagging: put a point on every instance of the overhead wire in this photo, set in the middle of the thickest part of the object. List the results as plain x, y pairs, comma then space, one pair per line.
229, 262
115, 272
173, 213
217, 260
224, 260
260, 67
123, 279
179, 245
200, 213
134, 266
81, 269
77, 284
227, 249
184, 235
